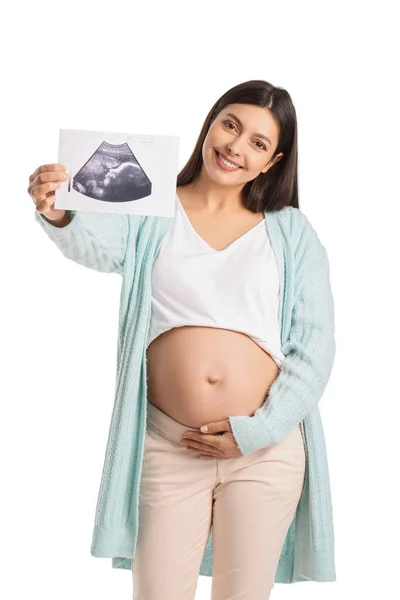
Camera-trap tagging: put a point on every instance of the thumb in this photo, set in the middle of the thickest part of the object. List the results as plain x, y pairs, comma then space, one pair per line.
216, 427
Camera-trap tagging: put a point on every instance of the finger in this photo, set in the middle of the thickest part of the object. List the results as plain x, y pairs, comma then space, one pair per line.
44, 177
41, 192
204, 445
36, 182
46, 203
212, 439
48, 168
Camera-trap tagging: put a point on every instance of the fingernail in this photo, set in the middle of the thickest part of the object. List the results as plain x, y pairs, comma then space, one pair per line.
204, 428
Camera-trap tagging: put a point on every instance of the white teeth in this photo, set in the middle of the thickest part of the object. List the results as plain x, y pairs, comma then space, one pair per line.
228, 164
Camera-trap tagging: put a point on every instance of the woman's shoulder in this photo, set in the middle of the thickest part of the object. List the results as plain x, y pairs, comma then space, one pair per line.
304, 239
294, 218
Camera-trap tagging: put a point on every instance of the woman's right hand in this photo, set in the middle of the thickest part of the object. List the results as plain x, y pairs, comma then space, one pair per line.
42, 185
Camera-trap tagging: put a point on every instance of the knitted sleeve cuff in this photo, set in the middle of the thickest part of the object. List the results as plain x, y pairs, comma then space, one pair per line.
250, 433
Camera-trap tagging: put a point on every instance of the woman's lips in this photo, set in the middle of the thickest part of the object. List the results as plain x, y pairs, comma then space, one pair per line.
225, 167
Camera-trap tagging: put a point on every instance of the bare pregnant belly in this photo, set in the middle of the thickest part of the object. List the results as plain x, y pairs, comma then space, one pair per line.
198, 375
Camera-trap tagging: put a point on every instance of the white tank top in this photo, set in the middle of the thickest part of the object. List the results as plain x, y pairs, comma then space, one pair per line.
236, 288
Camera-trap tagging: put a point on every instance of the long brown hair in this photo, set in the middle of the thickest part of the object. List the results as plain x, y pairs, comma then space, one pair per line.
276, 188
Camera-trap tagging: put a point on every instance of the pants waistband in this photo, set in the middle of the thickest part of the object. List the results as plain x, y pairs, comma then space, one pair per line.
157, 420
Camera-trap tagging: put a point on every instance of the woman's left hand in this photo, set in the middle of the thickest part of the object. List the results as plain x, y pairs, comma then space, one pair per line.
217, 443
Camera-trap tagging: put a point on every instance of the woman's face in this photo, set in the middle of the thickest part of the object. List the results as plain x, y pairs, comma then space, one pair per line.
239, 133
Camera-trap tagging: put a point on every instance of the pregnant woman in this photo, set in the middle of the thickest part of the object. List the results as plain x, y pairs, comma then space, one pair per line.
226, 321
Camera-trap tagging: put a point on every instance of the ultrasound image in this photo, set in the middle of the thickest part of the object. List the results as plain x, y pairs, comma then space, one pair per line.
112, 174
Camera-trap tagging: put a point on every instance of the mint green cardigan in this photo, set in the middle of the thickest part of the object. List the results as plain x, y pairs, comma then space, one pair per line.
128, 245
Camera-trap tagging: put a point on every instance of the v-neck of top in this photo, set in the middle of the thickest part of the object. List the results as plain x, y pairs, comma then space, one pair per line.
262, 222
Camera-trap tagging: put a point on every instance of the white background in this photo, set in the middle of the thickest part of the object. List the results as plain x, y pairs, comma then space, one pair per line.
157, 68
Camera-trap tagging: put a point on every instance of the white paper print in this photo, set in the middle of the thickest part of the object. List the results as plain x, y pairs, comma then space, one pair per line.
118, 172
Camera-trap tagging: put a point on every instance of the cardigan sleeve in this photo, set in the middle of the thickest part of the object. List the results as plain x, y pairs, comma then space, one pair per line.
96, 240
309, 356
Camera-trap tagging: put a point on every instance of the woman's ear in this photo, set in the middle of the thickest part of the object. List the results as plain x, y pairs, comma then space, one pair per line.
276, 159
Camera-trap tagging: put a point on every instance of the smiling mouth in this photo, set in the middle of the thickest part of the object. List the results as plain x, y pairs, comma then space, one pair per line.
236, 166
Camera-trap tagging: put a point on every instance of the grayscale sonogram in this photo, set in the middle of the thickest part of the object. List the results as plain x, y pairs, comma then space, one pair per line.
112, 174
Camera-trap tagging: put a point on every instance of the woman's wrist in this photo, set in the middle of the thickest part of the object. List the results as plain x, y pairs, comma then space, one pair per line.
65, 220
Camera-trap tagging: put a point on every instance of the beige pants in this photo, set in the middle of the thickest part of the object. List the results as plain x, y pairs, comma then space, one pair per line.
250, 502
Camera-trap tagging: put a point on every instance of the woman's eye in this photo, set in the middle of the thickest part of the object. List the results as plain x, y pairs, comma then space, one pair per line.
262, 145
229, 123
